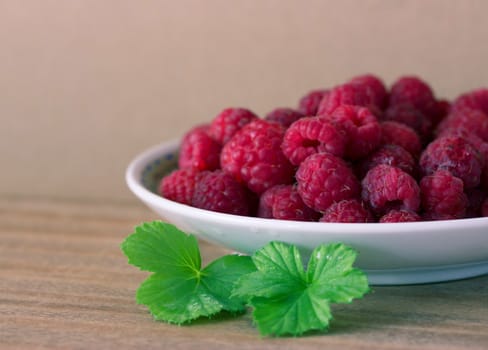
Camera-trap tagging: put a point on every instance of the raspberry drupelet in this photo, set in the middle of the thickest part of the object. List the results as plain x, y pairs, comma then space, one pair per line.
199, 151
346, 94
471, 120
476, 99
284, 116
283, 202
413, 91
311, 135
375, 89
410, 116
443, 196
324, 179
385, 188
363, 132
389, 154
455, 154
309, 104
220, 192
254, 156
179, 185
228, 122
347, 211
400, 216
401, 135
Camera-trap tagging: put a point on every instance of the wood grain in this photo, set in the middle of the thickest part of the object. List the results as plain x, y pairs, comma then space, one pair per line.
64, 284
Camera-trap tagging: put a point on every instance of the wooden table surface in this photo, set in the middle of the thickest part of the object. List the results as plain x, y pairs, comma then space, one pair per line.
64, 283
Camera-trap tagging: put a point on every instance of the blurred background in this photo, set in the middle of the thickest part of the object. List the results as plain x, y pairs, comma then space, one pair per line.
87, 85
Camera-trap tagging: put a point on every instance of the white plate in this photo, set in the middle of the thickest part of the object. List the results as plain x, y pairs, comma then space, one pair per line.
394, 253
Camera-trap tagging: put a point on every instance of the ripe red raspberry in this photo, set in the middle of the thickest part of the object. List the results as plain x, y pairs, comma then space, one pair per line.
400, 216
347, 94
455, 154
348, 211
475, 196
443, 108
253, 156
199, 151
386, 188
443, 196
311, 135
484, 176
417, 93
410, 116
179, 185
476, 99
389, 154
283, 202
324, 179
401, 135
284, 116
362, 129
471, 120
375, 89
220, 192
484, 208
480, 146
228, 122
309, 104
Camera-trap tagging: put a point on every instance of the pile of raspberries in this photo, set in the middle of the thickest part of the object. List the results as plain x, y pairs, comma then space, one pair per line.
354, 153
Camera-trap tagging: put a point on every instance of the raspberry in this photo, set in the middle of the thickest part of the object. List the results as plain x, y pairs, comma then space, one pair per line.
484, 208
228, 122
309, 104
443, 108
400, 216
417, 93
283, 202
477, 99
443, 196
324, 179
362, 129
348, 210
253, 156
455, 154
311, 135
283, 116
220, 192
389, 154
199, 151
179, 185
375, 89
484, 176
401, 135
480, 147
408, 115
475, 196
386, 188
471, 120
347, 94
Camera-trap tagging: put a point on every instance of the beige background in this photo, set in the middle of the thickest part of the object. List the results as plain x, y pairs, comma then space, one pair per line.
86, 85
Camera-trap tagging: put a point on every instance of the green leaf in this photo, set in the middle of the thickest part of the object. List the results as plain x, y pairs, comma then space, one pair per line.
176, 299
331, 270
289, 301
280, 270
179, 290
219, 278
161, 247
